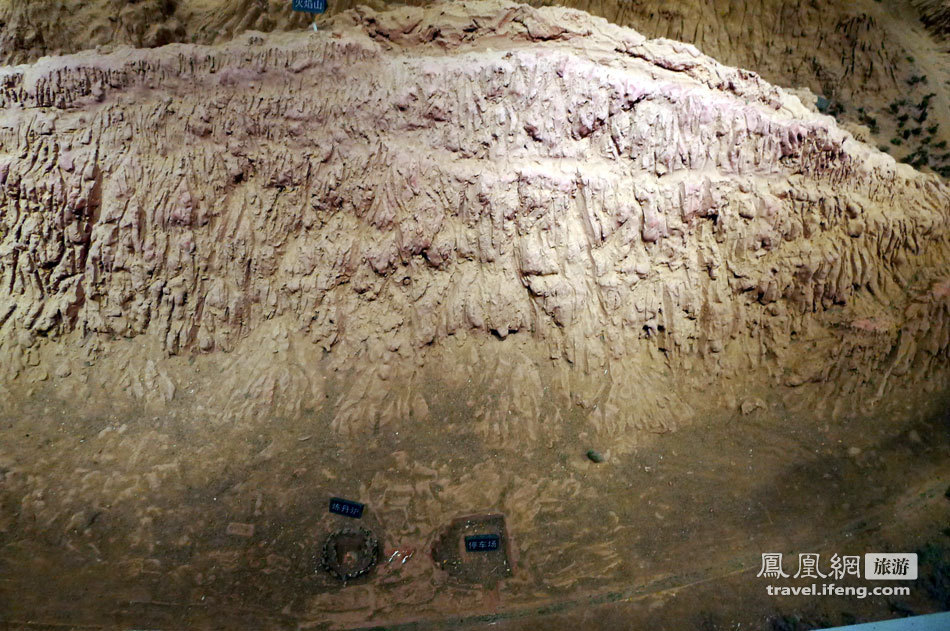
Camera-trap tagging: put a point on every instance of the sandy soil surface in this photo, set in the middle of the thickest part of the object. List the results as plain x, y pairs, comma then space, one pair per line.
181, 521
872, 62
427, 259
620, 209
936, 15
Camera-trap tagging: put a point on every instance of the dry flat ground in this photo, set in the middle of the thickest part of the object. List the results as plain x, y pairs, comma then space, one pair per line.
121, 520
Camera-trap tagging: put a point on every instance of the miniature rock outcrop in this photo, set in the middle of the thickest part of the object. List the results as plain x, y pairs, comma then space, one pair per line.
535, 197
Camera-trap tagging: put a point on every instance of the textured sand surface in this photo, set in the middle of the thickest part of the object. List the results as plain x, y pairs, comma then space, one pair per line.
936, 15
572, 216
872, 60
425, 259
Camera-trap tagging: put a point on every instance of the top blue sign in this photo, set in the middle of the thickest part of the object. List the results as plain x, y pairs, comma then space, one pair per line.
310, 6
347, 508
478, 543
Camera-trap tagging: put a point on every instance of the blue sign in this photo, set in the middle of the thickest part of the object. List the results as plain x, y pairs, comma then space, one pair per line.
482, 543
932, 622
346, 508
310, 6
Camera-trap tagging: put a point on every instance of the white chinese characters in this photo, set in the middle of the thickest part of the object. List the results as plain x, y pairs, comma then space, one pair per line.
772, 565
808, 566
877, 566
845, 566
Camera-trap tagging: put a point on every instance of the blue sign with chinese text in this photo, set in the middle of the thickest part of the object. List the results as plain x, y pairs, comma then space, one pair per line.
480, 543
346, 508
310, 6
